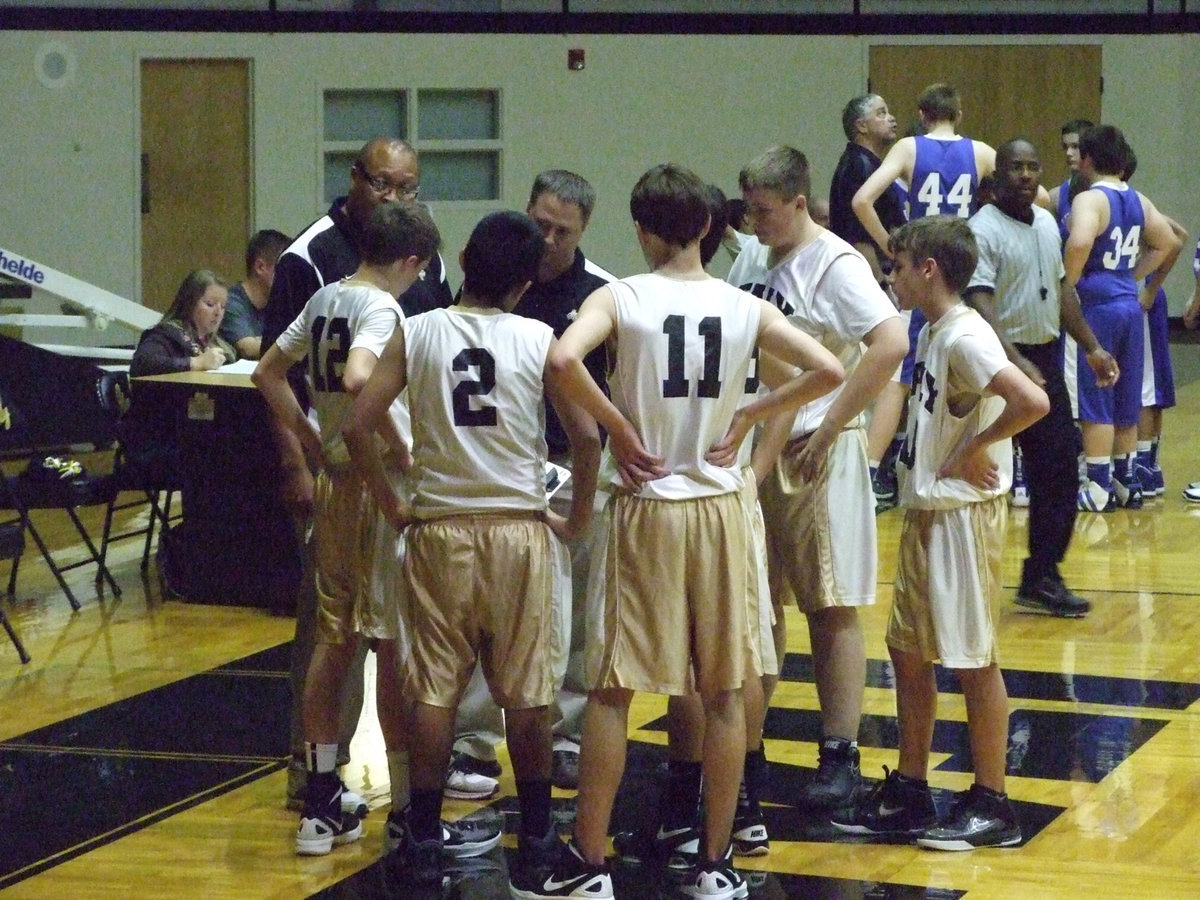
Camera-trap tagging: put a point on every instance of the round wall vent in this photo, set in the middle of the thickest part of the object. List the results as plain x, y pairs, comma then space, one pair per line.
55, 65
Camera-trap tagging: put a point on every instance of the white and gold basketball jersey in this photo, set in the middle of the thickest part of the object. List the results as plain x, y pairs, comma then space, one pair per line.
338, 318
684, 351
957, 357
475, 393
827, 290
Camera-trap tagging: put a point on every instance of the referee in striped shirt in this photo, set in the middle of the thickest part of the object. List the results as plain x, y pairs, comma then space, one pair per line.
1019, 287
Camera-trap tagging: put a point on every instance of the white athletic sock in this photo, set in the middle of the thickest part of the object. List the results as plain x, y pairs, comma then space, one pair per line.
320, 758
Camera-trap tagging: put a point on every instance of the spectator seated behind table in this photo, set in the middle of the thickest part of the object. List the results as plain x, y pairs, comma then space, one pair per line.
246, 310
186, 340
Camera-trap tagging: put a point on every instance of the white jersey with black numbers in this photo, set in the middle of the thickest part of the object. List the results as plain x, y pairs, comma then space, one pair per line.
341, 317
475, 387
827, 290
751, 392
684, 351
957, 358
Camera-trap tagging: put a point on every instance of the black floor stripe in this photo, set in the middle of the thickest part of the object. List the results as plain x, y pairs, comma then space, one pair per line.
1026, 685
486, 878
1051, 744
274, 660
79, 784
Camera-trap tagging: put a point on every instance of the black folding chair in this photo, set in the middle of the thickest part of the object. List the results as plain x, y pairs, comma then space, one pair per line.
12, 545
23, 494
153, 485
50, 401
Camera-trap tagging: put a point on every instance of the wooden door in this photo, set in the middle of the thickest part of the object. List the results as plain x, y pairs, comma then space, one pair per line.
1007, 91
195, 171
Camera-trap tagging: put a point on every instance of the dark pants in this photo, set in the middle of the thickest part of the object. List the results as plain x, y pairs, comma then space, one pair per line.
1050, 448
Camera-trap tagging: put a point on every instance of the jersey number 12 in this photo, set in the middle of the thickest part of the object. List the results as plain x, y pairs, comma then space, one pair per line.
331, 349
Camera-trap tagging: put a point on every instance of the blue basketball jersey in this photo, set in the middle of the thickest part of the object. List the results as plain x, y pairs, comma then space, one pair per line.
1108, 272
944, 178
1063, 213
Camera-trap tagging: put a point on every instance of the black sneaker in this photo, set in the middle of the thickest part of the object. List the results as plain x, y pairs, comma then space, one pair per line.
418, 863
395, 833
1051, 595
884, 484
674, 848
895, 807
886, 489
749, 835
836, 780
323, 821
564, 769
297, 785
463, 839
1128, 493
570, 878
470, 836
536, 858
763, 884
979, 818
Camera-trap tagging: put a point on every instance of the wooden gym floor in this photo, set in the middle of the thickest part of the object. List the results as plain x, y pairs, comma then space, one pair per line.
142, 750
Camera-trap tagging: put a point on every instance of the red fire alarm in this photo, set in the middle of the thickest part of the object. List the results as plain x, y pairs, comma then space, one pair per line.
575, 60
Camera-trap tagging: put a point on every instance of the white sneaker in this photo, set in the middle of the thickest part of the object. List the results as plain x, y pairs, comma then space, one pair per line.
463, 782
1094, 498
1192, 492
715, 881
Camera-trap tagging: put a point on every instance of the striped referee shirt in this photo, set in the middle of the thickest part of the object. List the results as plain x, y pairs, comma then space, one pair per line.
1022, 266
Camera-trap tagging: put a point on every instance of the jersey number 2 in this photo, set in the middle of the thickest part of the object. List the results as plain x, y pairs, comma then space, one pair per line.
484, 363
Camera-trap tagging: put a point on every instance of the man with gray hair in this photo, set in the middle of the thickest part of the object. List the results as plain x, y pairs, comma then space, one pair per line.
870, 130
561, 204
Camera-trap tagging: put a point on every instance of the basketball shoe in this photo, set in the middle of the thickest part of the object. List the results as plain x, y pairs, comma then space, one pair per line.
323, 822
897, 807
979, 818
1094, 498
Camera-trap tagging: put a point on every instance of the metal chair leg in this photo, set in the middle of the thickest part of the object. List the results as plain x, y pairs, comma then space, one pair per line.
12, 634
